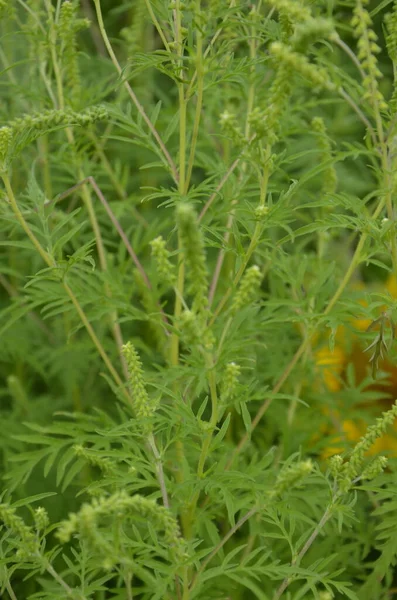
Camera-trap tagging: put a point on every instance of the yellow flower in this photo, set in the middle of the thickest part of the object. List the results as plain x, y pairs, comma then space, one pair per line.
331, 366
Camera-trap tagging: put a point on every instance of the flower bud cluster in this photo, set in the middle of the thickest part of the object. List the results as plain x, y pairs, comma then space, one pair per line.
329, 175
134, 33
194, 254
367, 51
53, 118
165, 269
229, 125
21, 131
41, 519
314, 74
345, 472
68, 26
311, 31
144, 407
194, 330
297, 12
94, 459
248, 290
291, 476
6, 9
229, 384
5, 141
25, 536
138, 509
391, 43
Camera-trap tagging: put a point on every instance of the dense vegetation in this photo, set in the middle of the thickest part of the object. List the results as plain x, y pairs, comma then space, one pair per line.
198, 285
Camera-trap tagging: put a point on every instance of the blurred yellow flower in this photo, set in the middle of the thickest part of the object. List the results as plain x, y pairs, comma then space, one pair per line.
331, 365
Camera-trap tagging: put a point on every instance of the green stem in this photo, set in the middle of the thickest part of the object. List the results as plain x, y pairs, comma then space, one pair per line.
214, 417
223, 541
10, 590
44, 255
182, 104
121, 192
50, 262
157, 25
43, 157
307, 341
386, 168
69, 591
108, 168
114, 324
55, 64
180, 284
132, 94
207, 440
199, 104
174, 343
210, 47
93, 335
247, 134
326, 516
253, 243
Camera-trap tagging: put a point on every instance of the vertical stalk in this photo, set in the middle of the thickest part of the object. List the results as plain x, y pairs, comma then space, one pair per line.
43, 154
115, 326
174, 342
132, 94
181, 179
199, 104
174, 347
207, 440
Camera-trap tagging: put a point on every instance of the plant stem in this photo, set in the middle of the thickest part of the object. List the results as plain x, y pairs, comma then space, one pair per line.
339, 42
305, 548
307, 341
359, 113
220, 185
208, 50
70, 592
113, 219
90, 331
207, 440
157, 25
199, 104
180, 284
132, 94
247, 134
174, 347
93, 335
51, 263
44, 255
10, 591
113, 178
220, 545
253, 243
114, 324
159, 469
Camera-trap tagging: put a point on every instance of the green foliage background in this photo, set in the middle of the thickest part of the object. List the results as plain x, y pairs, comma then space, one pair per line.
195, 195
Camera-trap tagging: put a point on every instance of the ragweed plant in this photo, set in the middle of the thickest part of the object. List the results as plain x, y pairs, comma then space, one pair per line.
198, 244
